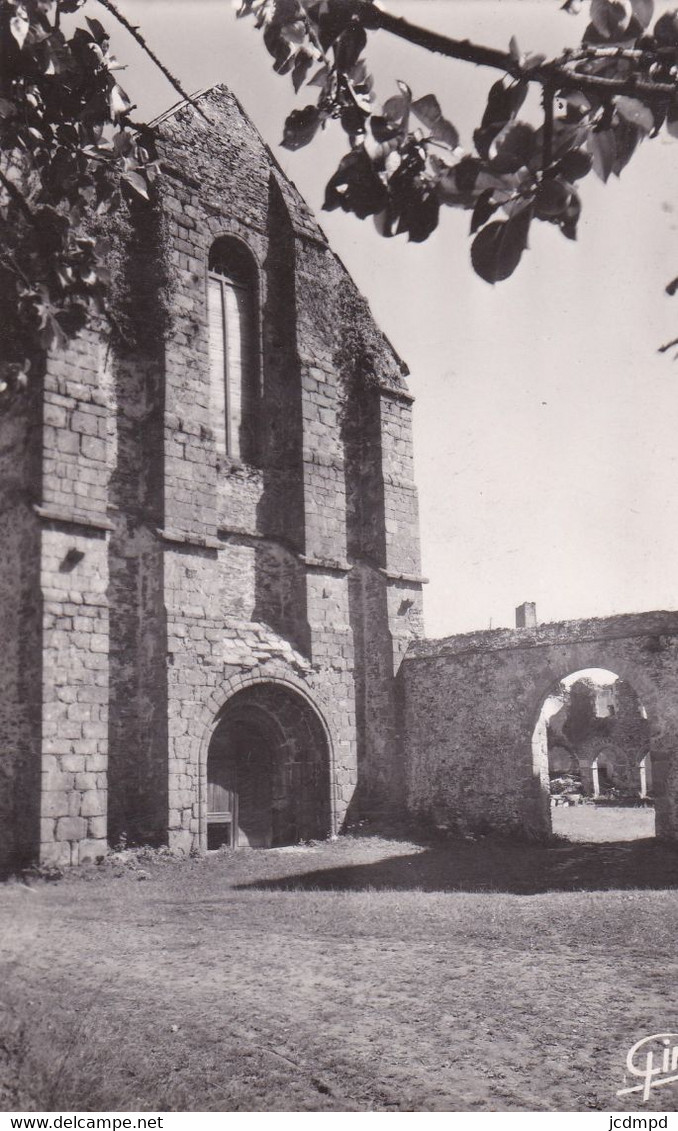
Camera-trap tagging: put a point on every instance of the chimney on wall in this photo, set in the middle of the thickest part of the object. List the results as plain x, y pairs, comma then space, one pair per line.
526, 615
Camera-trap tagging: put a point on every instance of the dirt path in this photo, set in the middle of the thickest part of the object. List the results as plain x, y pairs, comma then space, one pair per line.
189, 991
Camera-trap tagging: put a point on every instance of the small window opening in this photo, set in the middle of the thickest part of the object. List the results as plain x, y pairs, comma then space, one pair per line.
233, 354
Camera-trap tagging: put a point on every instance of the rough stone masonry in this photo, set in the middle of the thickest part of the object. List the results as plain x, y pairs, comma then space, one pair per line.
163, 598
211, 573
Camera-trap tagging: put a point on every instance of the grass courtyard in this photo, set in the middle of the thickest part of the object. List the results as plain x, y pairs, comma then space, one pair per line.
363, 974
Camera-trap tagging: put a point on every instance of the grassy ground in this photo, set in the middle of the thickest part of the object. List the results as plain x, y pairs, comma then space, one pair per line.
367, 974
587, 823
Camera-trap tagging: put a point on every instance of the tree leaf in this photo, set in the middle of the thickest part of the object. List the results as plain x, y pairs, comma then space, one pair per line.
575, 164
497, 249
277, 46
665, 30
466, 173
485, 207
302, 65
609, 17
349, 46
352, 119
532, 61
421, 216
382, 129
320, 77
570, 218
428, 111
356, 187
635, 112
294, 31
604, 152
643, 10
395, 108
626, 138
118, 101
503, 102
98, 31
301, 127
551, 199
672, 117
332, 17
136, 182
19, 27
515, 145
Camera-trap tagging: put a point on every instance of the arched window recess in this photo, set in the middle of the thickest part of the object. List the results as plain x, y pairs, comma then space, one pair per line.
233, 348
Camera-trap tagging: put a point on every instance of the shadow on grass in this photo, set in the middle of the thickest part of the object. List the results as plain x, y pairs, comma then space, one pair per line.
500, 866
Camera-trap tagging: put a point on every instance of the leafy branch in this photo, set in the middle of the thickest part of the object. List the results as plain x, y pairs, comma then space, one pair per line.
557, 73
69, 154
405, 161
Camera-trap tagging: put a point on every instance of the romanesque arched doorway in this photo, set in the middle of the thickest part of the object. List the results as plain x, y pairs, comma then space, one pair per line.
592, 743
268, 771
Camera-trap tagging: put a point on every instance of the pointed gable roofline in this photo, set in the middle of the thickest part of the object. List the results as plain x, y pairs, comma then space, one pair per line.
302, 218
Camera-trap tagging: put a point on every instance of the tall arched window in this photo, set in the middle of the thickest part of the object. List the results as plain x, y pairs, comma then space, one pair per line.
233, 354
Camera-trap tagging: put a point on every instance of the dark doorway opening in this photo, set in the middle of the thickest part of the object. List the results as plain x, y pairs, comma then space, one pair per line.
268, 772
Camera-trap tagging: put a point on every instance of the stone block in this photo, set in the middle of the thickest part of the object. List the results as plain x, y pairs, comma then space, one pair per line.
181, 841
55, 804
57, 854
97, 763
55, 781
54, 415
91, 850
97, 828
47, 829
72, 763
74, 803
85, 781
71, 828
93, 803
93, 448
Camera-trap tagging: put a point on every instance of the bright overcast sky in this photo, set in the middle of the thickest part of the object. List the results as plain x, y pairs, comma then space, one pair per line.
546, 423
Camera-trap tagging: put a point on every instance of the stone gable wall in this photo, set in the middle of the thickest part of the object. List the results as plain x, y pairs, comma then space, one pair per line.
169, 571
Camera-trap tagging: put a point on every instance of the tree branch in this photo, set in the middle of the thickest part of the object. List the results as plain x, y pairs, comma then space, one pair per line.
374, 18
136, 34
554, 73
548, 126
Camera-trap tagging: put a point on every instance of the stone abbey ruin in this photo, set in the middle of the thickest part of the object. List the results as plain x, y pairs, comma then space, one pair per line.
211, 600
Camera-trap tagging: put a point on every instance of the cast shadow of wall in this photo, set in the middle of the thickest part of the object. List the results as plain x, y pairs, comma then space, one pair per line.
501, 866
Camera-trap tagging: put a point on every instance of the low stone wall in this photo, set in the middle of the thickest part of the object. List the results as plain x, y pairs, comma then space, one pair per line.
471, 704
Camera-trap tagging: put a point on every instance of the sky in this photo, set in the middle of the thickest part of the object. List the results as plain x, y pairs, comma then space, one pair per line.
545, 421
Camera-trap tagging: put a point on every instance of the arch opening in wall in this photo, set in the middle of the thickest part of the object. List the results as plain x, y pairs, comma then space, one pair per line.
591, 747
268, 771
234, 356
